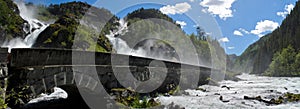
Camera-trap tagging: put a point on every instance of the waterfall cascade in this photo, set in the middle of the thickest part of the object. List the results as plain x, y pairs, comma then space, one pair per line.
32, 28
120, 45
147, 50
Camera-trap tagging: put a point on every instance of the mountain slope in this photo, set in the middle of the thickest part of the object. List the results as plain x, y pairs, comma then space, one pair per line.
153, 24
146, 14
11, 23
82, 20
258, 56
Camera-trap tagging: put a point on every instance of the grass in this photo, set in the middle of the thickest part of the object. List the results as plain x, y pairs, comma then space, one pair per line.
134, 100
3, 105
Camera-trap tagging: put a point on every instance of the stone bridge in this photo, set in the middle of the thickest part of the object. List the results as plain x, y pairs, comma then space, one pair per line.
42, 69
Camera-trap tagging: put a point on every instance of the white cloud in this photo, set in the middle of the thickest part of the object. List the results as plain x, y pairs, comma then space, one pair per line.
264, 26
181, 23
222, 8
230, 48
244, 31
225, 39
192, 0
238, 33
179, 8
287, 10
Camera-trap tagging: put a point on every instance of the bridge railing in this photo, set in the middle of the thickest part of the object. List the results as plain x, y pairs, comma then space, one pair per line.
26, 57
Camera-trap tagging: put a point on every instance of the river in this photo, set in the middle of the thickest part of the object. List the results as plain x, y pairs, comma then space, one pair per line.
250, 85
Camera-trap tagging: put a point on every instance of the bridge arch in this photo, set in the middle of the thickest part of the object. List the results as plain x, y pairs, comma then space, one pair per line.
42, 80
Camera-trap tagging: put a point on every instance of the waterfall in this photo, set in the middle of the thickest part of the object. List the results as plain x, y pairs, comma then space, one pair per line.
146, 50
120, 45
32, 28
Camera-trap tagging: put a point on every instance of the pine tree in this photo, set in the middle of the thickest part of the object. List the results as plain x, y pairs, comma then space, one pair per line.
201, 33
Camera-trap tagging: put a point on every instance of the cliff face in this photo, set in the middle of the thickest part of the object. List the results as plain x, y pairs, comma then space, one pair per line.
11, 23
257, 57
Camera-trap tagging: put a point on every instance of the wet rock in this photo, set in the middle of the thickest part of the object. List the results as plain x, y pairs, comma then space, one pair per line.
221, 98
249, 98
201, 89
291, 97
226, 87
173, 106
243, 102
258, 98
217, 94
167, 95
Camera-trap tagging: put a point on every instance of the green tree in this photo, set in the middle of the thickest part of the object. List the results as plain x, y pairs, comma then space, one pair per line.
201, 33
296, 66
283, 63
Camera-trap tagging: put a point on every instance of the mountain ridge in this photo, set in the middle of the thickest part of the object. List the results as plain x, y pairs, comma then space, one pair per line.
258, 56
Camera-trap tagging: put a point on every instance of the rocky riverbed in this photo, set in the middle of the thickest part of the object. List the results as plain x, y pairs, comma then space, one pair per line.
250, 92
231, 94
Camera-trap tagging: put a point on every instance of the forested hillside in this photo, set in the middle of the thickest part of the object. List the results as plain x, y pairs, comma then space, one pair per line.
258, 57
11, 23
151, 23
61, 33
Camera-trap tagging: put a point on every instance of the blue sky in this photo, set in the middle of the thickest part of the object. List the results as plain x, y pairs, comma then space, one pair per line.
235, 23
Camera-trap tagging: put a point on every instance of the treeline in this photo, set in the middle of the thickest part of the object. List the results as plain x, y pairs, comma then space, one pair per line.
146, 14
258, 56
285, 63
141, 24
76, 8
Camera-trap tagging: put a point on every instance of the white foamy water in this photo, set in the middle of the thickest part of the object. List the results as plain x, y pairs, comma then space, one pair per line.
57, 94
120, 45
266, 87
32, 28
